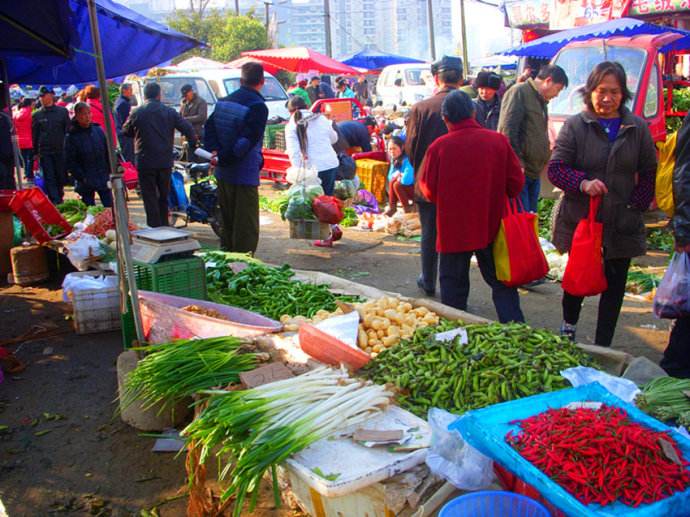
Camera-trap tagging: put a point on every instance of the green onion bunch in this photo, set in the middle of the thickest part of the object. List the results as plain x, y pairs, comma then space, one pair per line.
260, 428
665, 398
174, 371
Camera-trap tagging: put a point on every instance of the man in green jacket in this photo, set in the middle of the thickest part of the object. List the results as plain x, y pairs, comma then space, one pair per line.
524, 120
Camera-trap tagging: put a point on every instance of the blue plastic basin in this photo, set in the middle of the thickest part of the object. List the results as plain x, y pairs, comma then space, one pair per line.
493, 503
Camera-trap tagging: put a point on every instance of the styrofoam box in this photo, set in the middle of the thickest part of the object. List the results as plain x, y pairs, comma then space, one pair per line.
358, 466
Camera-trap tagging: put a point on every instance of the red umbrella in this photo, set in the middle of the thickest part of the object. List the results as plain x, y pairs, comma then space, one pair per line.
301, 59
237, 63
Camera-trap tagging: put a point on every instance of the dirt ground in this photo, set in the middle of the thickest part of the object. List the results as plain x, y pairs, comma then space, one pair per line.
63, 451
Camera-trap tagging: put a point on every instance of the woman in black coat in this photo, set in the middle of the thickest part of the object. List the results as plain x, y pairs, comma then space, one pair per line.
86, 157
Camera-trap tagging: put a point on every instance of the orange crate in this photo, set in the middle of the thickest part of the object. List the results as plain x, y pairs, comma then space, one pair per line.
373, 176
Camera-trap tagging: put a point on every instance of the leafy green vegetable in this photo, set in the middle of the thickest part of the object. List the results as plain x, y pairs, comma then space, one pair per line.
544, 208
660, 239
350, 218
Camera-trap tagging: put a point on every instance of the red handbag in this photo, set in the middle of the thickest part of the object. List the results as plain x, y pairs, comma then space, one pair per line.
584, 272
130, 175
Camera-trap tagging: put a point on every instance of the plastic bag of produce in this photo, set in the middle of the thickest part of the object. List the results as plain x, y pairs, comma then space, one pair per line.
364, 202
328, 209
672, 299
453, 458
344, 189
584, 273
300, 198
302, 175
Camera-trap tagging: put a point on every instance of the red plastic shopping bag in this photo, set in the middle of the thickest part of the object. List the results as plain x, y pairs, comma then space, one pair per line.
518, 257
584, 272
328, 209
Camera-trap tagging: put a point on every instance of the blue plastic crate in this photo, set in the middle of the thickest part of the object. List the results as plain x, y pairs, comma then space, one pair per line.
491, 503
485, 429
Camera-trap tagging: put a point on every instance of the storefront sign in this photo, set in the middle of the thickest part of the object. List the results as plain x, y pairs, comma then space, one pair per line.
645, 7
528, 13
566, 14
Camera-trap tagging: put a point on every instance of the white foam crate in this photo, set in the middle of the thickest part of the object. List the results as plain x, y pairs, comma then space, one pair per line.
96, 310
358, 466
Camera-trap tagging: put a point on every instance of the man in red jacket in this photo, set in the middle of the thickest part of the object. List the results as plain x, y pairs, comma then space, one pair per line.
469, 173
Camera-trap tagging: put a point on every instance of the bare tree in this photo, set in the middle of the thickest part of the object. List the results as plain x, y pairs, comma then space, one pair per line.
198, 6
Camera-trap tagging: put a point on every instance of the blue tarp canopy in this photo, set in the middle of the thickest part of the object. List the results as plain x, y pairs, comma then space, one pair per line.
548, 46
49, 42
371, 58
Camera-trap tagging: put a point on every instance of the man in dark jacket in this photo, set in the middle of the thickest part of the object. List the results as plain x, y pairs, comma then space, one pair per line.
122, 108
468, 174
6, 153
235, 132
524, 120
153, 127
424, 125
355, 134
49, 126
487, 104
676, 360
86, 157
195, 111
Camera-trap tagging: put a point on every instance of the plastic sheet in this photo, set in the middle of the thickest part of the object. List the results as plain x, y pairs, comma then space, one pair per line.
624, 389
486, 429
74, 283
453, 458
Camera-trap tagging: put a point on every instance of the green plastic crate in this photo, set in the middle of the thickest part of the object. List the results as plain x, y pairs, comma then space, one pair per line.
270, 135
182, 277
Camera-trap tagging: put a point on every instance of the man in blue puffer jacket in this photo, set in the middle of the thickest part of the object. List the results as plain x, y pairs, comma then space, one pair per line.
86, 157
235, 132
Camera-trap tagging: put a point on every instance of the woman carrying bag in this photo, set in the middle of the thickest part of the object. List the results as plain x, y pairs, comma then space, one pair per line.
604, 151
309, 139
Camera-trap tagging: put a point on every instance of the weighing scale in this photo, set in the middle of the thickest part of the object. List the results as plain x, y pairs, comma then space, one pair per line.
157, 244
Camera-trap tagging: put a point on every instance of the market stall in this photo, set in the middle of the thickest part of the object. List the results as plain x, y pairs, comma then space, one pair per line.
412, 357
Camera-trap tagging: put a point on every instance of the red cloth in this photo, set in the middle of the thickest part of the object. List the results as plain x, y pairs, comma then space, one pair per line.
97, 116
22, 123
467, 174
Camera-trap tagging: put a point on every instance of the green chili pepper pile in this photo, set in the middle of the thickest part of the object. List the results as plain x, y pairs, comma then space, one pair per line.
500, 362
270, 291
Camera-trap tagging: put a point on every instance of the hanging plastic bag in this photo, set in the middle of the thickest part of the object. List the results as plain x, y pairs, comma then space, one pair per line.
517, 253
584, 272
453, 458
300, 199
672, 299
306, 175
328, 209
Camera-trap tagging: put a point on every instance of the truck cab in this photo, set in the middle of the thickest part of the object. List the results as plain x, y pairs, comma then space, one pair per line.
642, 61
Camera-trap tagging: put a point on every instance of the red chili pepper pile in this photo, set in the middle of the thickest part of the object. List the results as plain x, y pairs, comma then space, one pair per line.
104, 222
601, 456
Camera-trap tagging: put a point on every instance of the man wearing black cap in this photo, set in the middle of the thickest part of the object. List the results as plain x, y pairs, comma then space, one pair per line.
49, 127
487, 104
425, 125
195, 111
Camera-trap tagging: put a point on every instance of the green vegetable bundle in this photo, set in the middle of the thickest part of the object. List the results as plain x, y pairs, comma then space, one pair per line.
270, 291
667, 398
500, 362
262, 427
544, 208
177, 370
73, 210
640, 281
276, 206
350, 218
660, 239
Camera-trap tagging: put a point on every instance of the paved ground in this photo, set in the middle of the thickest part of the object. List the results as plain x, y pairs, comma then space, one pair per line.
64, 451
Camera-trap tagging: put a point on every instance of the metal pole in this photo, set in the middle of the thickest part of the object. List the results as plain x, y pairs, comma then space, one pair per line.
327, 26
267, 5
430, 24
128, 284
463, 30
237, 7
18, 160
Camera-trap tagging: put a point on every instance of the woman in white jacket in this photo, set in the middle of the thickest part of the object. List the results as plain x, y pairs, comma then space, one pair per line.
309, 139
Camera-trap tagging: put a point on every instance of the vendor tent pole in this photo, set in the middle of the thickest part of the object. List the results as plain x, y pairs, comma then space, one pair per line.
430, 25
327, 27
18, 160
463, 33
128, 284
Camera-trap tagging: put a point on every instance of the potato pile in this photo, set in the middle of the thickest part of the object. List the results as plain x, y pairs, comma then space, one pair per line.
384, 322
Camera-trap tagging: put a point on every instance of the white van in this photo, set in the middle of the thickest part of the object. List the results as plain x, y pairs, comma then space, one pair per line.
404, 84
211, 85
